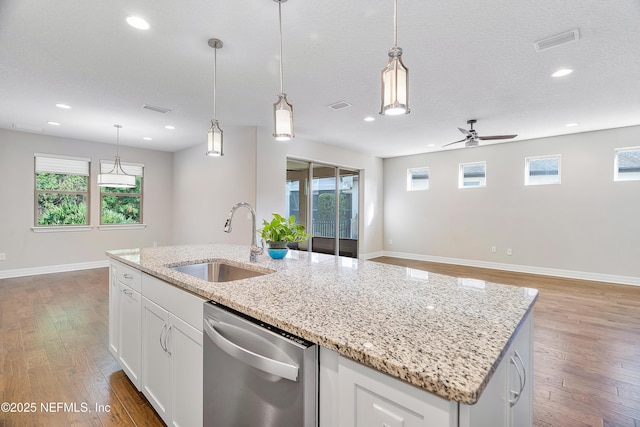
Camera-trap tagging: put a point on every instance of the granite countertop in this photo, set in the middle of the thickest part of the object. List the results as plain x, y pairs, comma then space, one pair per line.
440, 333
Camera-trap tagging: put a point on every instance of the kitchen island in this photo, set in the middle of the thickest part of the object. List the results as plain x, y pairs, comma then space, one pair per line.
426, 332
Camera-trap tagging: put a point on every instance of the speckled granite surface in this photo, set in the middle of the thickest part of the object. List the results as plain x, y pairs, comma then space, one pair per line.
439, 333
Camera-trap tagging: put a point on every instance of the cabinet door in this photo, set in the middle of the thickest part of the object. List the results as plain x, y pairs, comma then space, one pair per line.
520, 378
114, 306
185, 346
129, 319
156, 360
491, 408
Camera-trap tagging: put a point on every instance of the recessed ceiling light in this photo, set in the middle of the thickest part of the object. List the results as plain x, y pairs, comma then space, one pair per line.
570, 125
169, 127
137, 22
54, 123
369, 119
147, 138
562, 72
431, 145
63, 106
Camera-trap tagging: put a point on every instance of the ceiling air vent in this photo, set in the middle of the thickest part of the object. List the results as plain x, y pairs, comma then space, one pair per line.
156, 109
341, 105
557, 40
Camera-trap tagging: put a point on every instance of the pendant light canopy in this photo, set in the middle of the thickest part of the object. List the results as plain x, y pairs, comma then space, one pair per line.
395, 77
117, 177
214, 135
282, 109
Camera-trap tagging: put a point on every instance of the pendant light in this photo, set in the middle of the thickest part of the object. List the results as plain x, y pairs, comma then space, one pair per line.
117, 177
282, 110
395, 77
214, 135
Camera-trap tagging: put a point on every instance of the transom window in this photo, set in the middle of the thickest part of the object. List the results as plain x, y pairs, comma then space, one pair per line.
627, 164
61, 190
542, 170
472, 175
122, 205
418, 179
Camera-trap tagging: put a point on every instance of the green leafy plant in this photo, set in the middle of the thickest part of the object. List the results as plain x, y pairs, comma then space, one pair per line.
281, 229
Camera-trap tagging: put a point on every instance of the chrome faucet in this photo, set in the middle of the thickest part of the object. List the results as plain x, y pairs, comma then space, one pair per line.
255, 250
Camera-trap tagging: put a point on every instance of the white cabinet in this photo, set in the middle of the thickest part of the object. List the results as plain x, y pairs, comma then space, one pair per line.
508, 398
129, 354
124, 319
172, 352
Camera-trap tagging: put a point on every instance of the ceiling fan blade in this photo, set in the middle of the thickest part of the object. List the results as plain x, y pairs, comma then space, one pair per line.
486, 138
451, 143
466, 132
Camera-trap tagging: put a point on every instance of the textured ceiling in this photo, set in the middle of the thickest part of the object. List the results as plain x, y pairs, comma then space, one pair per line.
467, 59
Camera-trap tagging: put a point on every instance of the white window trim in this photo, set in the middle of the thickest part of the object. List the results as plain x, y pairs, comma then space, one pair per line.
616, 177
527, 182
461, 174
410, 180
61, 228
110, 227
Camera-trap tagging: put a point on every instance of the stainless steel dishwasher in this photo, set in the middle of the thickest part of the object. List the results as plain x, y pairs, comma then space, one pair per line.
256, 375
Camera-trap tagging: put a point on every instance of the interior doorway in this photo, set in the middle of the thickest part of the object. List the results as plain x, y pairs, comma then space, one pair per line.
325, 199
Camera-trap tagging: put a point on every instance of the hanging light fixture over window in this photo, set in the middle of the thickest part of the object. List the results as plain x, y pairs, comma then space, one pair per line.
395, 77
282, 110
214, 135
117, 177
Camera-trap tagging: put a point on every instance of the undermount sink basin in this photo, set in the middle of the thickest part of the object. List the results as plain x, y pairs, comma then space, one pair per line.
218, 271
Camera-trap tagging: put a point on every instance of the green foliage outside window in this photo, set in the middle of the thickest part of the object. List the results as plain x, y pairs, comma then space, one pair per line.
61, 199
121, 205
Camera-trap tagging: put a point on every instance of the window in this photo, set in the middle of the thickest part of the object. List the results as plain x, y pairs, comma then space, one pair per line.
627, 164
542, 170
417, 179
472, 175
61, 190
121, 205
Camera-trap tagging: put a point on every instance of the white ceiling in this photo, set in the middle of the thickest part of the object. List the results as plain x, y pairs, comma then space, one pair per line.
467, 59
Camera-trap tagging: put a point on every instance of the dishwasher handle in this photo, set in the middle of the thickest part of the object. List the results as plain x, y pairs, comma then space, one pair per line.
265, 364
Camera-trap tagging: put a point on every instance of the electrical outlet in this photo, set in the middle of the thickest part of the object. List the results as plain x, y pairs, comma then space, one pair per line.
509, 252
494, 249
3, 256
390, 242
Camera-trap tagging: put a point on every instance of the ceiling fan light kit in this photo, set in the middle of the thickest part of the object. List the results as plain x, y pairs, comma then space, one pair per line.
395, 77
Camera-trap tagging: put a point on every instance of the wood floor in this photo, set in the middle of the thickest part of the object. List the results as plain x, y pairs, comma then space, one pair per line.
53, 351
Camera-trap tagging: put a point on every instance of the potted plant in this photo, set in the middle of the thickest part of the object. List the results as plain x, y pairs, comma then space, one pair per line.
280, 231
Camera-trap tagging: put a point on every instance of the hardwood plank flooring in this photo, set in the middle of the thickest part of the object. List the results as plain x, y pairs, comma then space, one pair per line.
54, 351
54, 332
586, 346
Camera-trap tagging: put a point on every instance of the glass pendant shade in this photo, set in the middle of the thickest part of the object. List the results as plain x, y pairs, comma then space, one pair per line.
117, 177
283, 118
395, 85
214, 140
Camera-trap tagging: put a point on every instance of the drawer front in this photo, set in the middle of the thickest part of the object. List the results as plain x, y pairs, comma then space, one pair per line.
179, 302
129, 276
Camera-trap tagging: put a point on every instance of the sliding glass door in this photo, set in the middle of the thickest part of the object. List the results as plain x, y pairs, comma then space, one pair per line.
324, 198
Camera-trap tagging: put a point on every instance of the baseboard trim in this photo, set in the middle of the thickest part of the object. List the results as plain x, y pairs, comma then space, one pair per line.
372, 255
33, 271
570, 274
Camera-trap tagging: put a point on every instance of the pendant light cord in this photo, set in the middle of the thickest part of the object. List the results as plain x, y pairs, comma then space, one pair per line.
215, 66
280, 21
395, 23
117, 140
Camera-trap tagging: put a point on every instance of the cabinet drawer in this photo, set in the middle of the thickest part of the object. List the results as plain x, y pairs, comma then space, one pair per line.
129, 276
176, 300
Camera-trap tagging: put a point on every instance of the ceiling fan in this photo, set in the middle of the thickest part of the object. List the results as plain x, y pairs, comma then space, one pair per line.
472, 139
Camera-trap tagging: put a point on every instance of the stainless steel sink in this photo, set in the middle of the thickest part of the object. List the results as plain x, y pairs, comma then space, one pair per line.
218, 271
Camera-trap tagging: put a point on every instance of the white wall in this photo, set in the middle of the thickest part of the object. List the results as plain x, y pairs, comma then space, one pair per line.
588, 223
205, 188
25, 249
271, 175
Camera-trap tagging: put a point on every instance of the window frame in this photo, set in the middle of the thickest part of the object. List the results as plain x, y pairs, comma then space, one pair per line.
410, 179
616, 170
136, 169
461, 174
527, 171
61, 165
